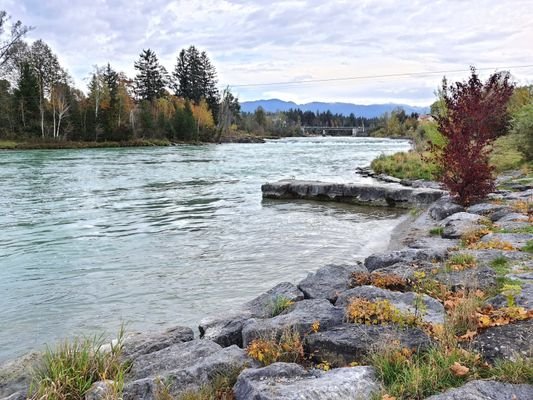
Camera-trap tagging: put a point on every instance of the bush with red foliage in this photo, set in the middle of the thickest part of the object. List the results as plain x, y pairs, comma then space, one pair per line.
476, 114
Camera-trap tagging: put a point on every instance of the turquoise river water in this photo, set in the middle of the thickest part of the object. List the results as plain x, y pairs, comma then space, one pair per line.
155, 237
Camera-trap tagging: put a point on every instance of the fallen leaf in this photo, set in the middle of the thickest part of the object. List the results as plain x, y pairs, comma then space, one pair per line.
459, 370
387, 397
469, 335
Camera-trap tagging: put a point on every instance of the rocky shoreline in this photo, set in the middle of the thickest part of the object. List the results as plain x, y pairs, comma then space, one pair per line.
335, 343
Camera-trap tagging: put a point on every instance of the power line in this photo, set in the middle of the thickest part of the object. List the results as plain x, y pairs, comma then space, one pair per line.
350, 78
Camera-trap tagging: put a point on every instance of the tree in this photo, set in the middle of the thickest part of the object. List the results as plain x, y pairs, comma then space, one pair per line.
152, 78
476, 114
48, 72
195, 78
27, 98
8, 44
60, 105
229, 111
522, 126
260, 116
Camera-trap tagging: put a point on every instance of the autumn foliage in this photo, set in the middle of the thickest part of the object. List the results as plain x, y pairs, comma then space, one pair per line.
476, 114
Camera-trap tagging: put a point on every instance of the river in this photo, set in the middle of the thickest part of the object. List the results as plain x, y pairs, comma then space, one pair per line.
156, 237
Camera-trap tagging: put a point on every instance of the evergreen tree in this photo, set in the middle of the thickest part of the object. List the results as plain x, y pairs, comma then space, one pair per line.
151, 80
195, 78
110, 79
27, 100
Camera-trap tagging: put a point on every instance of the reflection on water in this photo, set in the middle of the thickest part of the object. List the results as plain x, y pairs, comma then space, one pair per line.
163, 236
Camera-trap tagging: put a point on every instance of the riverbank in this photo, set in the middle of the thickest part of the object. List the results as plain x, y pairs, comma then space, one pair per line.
67, 144
450, 307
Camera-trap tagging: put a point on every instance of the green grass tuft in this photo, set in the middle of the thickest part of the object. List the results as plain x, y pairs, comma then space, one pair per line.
436, 231
278, 305
519, 370
528, 247
68, 371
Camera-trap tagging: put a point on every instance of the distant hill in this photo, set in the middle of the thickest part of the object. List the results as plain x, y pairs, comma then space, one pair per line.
368, 111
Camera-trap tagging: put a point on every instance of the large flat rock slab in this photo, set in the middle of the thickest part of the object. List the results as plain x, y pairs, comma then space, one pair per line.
300, 317
487, 390
283, 381
342, 345
329, 281
181, 367
388, 195
406, 302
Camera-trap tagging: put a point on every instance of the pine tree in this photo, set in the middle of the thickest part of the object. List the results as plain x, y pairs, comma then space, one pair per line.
110, 79
151, 80
195, 78
27, 99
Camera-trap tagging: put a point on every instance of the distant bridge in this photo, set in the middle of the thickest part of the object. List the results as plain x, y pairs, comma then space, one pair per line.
335, 130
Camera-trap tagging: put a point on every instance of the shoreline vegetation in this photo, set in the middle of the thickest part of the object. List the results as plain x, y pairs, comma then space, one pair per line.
53, 145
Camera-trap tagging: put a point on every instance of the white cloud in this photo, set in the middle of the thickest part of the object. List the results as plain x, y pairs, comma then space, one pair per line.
255, 41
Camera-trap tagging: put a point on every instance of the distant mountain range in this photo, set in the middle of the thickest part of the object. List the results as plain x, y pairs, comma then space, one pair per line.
359, 110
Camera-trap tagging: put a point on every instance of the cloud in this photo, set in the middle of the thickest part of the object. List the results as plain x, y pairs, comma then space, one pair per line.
254, 41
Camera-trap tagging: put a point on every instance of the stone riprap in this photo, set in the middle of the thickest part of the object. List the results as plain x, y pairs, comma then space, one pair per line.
316, 310
391, 195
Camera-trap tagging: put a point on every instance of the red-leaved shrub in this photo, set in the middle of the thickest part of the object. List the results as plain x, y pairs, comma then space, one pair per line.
476, 114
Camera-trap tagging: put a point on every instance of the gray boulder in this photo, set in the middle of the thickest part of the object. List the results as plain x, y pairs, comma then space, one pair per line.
299, 317
407, 270
486, 209
282, 381
349, 343
486, 257
261, 306
16, 375
437, 244
518, 240
16, 396
443, 208
506, 342
521, 195
182, 367
227, 329
522, 299
329, 281
512, 217
514, 225
101, 390
433, 310
138, 344
171, 358
378, 261
498, 215
487, 390
481, 277
456, 225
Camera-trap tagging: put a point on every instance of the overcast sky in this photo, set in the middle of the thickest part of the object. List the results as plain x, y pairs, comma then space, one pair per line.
263, 41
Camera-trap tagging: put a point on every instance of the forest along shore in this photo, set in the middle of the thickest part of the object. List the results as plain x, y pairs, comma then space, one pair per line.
449, 312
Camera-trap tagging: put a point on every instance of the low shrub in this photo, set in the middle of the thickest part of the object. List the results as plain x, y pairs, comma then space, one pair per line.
363, 311
492, 245
384, 281
288, 348
473, 236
